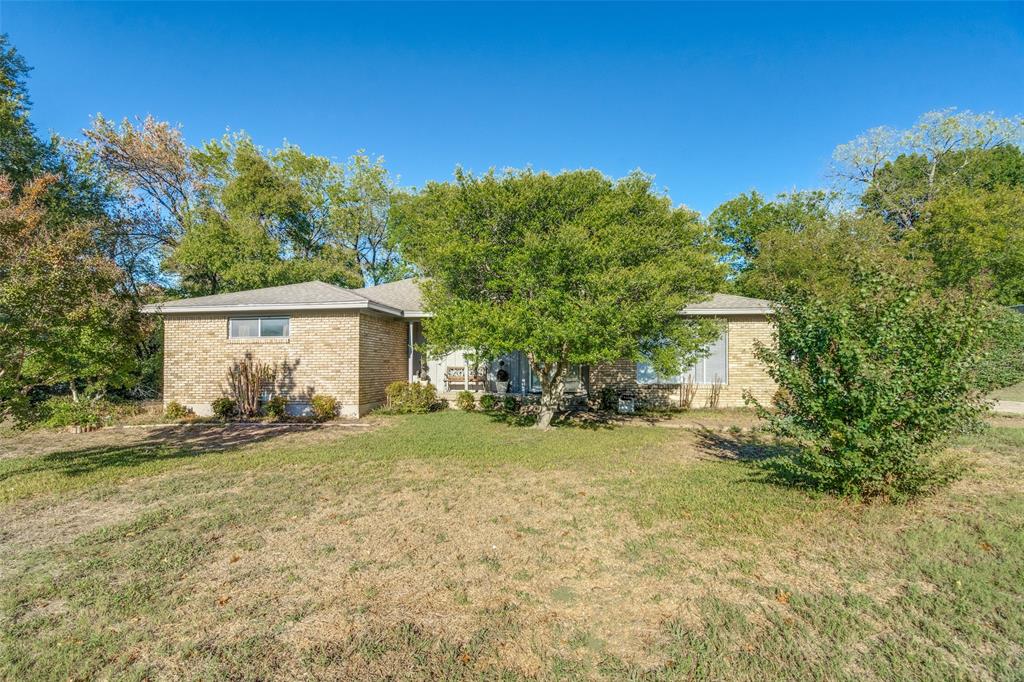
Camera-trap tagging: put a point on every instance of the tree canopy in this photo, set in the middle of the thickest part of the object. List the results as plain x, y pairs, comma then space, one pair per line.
568, 268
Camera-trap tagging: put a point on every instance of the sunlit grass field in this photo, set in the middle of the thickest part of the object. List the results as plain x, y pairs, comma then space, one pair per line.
456, 546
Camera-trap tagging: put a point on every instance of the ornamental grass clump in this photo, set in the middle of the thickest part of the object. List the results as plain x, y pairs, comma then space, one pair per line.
246, 381
873, 385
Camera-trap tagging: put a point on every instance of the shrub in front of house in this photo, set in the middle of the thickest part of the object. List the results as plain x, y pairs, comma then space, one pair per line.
61, 412
404, 397
224, 407
276, 407
324, 407
465, 400
176, 410
510, 403
873, 385
488, 402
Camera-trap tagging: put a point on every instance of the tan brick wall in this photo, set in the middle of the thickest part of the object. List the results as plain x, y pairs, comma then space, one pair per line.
383, 357
745, 371
344, 354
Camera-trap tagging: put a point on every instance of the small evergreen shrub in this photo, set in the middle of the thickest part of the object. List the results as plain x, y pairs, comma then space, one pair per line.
176, 410
465, 400
404, 397
61, 412
324, 407
488, 402
510, 403
224, 407
276, 407
873, 384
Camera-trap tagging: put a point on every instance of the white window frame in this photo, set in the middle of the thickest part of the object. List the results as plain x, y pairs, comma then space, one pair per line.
259, 335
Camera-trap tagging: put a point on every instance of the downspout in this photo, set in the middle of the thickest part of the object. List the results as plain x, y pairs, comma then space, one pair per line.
410, 350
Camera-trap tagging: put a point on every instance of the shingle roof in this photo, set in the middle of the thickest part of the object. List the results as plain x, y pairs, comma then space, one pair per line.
397, 298
403, 294
298, 294
724, 304
307, 294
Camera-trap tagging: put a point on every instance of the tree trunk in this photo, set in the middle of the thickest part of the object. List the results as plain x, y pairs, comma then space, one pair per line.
552, 389
74, 391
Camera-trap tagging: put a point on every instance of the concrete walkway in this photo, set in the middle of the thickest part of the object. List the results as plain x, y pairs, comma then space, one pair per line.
1008, 407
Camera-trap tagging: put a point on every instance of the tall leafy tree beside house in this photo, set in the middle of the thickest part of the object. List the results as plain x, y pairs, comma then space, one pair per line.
570, 269
65, 316
231, 215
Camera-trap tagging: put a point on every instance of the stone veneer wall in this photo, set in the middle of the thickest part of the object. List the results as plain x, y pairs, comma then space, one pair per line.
345, 354
745, 371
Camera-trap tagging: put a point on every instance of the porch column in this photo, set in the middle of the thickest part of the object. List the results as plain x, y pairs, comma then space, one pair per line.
411, 342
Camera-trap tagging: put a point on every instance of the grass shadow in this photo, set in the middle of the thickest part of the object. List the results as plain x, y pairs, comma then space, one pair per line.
743, 447
162, 443
580, 419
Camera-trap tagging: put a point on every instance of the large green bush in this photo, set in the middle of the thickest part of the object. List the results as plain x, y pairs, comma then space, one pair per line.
1002, 364
61, 412
872, 385
404, 397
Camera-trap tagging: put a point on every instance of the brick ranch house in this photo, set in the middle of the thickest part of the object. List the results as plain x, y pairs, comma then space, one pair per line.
352, 343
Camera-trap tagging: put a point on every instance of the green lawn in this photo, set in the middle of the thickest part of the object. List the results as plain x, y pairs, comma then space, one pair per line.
1010, 393
454, 546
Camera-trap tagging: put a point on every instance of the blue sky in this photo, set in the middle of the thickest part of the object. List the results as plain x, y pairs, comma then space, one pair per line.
712, 99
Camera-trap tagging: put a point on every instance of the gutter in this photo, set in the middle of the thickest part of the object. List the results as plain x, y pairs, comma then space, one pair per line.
163, 309
726, 311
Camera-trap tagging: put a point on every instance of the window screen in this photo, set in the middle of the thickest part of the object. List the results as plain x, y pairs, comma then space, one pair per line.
274, 326
245, 328
255, 327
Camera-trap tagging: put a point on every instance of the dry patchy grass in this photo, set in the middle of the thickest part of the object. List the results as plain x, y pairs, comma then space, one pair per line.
454, 546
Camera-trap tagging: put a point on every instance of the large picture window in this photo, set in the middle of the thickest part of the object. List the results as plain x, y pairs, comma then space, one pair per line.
258, 327
714, 368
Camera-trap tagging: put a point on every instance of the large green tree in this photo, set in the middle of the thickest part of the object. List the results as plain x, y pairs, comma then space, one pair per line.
568, 268
971, 233
297, 215
896, 173
746, 223
66, 319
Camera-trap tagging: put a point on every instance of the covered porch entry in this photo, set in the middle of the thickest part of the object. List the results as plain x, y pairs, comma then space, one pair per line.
461, 371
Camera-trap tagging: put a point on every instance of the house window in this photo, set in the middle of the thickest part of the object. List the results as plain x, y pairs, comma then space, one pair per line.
711, 369
258, 327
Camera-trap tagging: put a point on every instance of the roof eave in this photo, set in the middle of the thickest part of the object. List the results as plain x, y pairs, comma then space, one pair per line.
727, 311
165, 309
